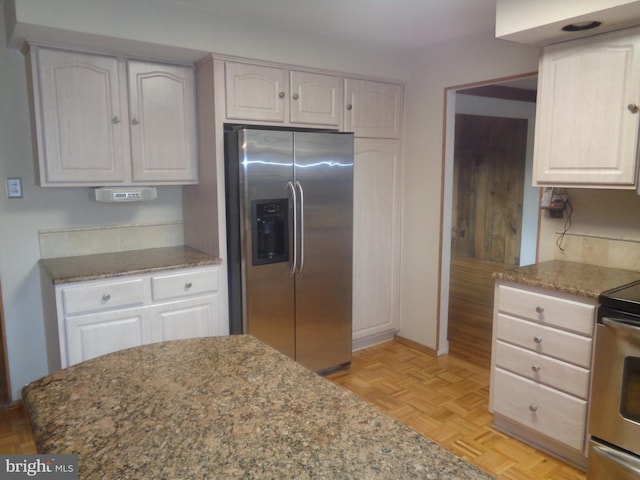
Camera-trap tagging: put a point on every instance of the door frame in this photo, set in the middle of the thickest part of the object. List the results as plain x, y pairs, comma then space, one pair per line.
488, 107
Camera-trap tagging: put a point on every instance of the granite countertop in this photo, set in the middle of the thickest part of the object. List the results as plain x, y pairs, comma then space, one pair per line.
222, 407
106, 265
570, 277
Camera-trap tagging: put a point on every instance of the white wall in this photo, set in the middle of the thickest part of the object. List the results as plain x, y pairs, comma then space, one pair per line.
134, 29
474, 59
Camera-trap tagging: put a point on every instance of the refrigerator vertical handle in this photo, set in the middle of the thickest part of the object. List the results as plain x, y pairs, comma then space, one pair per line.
301, 228
292, 268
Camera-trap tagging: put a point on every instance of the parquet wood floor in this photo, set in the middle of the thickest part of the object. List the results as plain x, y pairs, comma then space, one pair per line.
446, 399
15, 432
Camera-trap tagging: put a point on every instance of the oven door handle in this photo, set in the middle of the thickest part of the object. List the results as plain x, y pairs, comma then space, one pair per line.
625, 461
620, 326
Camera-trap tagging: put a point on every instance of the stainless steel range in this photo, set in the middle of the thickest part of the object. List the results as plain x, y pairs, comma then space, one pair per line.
614, 447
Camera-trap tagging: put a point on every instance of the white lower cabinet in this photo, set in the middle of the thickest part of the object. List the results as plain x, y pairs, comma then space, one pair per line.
97, 317
541, 368
185, 319
95, 334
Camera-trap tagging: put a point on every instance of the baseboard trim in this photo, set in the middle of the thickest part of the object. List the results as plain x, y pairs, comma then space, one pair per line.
371, 340
415, 345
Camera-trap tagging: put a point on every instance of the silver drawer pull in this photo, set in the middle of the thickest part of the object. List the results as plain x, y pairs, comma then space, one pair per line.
539, 309
188, 285
533, 407
535, 368
537, 339
106, 297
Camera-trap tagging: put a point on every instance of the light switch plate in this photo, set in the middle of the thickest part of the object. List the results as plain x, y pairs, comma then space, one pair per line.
14, 187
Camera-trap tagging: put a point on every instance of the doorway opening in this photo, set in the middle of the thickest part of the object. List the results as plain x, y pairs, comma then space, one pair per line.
490, 210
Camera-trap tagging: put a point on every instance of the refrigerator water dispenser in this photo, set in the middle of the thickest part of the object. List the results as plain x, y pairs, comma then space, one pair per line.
270, 239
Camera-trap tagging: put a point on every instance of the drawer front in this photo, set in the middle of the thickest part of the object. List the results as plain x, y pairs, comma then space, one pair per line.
552, 413
562, 345
184, 283
539, 368
548, 310
102, 296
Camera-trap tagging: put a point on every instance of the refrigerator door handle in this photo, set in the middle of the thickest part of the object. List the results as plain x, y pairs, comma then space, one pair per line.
292, 268
301, 266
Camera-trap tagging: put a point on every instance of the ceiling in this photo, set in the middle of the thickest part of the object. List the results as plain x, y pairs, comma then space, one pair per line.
402, 24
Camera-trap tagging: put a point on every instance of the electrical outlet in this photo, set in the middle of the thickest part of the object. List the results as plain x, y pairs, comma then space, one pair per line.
14, 188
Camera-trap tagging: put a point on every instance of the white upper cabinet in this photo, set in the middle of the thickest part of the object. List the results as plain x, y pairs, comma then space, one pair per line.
163, 122
93, 128
374, 109
78, 117
288, 97
316, 99
255, 93
587, 112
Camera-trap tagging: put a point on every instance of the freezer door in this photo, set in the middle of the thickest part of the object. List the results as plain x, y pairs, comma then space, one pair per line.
266, 170
324, 182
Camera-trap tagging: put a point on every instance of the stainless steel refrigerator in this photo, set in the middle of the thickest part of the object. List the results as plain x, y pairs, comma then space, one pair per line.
290, 241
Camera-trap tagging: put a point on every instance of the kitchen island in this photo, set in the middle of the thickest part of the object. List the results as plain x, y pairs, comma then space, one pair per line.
222, 407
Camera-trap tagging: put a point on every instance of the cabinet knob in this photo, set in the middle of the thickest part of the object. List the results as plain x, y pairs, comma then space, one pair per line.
188, 285
135, 120
537, 339
281, 95
106, 297
539, 309
349, 106
533, 407
296, 96
535, 368
633, 108
116, 119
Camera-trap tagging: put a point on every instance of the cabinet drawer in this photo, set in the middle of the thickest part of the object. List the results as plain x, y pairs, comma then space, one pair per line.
184, 283
539, 368
559, 312
102, 296
565, 346
548, 411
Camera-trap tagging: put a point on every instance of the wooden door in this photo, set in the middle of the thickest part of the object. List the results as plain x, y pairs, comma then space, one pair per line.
489, 165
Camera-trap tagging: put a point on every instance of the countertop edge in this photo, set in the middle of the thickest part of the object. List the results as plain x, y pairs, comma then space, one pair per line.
118, 264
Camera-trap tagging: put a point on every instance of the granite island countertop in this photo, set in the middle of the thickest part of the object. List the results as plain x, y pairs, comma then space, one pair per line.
222, 407
570, 277
106, 265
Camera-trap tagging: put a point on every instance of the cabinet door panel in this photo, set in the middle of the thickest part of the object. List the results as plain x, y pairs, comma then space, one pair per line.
185, 319
80, 126
316, 99
374, 109
163, 123
255, 92
96, 334
585, 134
376, 233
